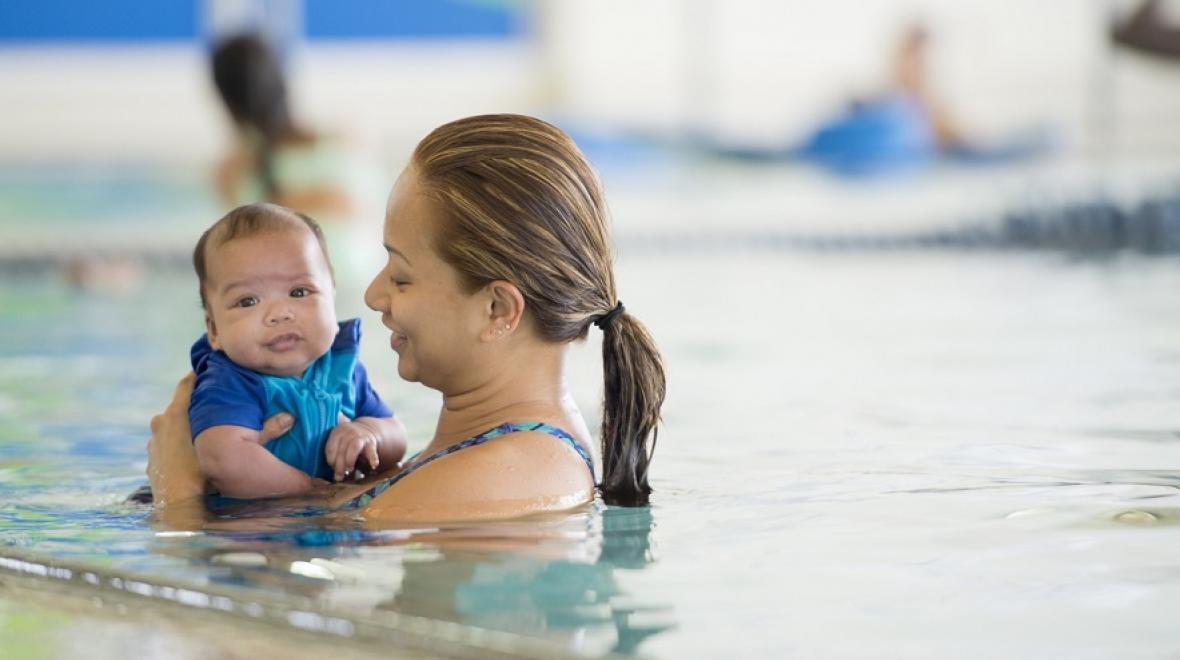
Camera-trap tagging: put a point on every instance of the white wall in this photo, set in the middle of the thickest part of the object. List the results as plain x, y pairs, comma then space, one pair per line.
156, 103
758, 70
746, 70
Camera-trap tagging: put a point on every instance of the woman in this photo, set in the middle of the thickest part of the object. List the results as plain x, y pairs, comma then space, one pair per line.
499, 258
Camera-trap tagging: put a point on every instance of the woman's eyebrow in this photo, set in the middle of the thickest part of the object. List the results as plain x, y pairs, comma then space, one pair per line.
392, 250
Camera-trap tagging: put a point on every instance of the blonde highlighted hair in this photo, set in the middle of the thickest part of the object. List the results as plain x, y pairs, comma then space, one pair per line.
522, 204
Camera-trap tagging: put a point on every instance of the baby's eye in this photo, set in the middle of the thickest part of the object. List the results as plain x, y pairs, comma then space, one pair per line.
300, 292
248, 301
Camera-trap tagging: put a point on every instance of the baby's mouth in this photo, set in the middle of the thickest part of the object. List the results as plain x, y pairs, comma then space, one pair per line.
284, 342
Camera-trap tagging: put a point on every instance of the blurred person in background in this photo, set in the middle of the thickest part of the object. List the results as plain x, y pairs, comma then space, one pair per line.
273, 157
901, 128
1147, 31
907, 125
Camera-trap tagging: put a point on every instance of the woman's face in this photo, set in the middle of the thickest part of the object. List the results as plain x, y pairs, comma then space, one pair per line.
434, 322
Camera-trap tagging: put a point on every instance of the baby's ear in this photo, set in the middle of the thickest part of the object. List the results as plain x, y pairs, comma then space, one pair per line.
211, 330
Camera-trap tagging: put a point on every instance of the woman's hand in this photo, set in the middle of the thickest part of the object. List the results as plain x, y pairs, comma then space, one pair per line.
172, 462
173, 470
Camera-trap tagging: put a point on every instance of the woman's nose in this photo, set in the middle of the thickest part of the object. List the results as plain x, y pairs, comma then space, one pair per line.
373, 295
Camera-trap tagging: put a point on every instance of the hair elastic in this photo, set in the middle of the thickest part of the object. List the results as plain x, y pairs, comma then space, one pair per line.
603, 321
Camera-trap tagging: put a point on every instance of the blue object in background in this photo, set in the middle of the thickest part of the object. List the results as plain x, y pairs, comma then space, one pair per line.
889, 134
122, 21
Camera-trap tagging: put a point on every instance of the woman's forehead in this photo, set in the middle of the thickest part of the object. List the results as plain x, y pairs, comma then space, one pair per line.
408, 218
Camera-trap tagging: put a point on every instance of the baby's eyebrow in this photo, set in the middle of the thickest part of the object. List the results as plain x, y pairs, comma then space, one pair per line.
259, 281
392, 250
232, 285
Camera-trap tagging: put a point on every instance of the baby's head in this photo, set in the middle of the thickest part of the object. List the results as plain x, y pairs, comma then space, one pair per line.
267, 289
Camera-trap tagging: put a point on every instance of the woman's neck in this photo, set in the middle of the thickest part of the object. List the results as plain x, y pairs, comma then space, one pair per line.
531, 386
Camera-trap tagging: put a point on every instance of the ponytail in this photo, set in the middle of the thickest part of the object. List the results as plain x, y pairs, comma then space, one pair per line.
633, 392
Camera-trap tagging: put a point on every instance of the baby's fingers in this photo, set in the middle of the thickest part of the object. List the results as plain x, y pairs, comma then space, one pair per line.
371, 454
336, 459
347, 457
343, 455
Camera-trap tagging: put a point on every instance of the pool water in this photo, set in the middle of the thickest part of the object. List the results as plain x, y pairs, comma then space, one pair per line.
866, 454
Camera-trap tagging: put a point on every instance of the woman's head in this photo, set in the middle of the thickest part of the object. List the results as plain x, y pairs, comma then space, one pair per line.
510, 199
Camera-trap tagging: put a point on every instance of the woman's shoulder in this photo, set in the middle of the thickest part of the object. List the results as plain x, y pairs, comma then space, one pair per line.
530, 472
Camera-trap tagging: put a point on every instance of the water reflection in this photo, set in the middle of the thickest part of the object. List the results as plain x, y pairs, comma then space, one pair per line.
558, 578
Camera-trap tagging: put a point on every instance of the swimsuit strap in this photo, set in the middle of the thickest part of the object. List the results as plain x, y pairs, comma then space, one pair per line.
501, 430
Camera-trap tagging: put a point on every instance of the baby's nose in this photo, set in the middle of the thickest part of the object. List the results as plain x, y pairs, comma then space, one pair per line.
279, 314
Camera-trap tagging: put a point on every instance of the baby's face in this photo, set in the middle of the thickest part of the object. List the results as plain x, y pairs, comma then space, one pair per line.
271, 305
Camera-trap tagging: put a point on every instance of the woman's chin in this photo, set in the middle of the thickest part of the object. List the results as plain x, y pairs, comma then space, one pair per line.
405, 372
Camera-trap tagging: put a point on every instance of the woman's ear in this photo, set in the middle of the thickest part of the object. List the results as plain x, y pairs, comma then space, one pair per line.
505, 311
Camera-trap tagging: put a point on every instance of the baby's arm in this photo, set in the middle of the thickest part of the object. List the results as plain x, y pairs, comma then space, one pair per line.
233, 459
381, 440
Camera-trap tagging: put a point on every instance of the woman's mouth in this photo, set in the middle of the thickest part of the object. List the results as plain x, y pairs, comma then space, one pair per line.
284, 342
396, 340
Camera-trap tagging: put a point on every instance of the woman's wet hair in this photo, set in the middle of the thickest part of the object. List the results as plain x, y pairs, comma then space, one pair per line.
245, 222
249, 79
521, 203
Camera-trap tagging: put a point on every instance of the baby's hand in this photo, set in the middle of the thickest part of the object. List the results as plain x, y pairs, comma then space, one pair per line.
348, 442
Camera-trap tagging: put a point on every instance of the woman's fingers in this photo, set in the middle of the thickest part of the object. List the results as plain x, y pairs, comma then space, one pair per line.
184, 391
172, 462
274, 427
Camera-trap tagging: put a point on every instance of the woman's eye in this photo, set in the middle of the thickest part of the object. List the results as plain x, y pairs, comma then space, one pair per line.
248, 301
397, 282
300, 292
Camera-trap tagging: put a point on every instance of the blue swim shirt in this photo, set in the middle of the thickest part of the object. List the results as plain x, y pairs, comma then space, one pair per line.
227, 394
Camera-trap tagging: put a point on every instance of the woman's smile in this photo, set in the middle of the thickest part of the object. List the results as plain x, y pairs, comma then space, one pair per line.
396, 340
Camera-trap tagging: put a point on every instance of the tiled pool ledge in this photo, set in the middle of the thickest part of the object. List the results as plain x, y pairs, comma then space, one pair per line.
247, 613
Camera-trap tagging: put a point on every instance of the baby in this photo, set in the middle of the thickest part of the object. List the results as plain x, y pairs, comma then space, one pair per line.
273, 346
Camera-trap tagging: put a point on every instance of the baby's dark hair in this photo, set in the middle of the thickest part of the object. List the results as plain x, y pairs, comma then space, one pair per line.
251, 220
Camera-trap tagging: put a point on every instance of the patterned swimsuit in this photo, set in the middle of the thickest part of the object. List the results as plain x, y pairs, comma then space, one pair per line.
501, 430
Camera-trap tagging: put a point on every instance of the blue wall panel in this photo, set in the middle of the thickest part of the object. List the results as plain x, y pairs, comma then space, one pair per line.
97, 20
66, 21
366, 19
